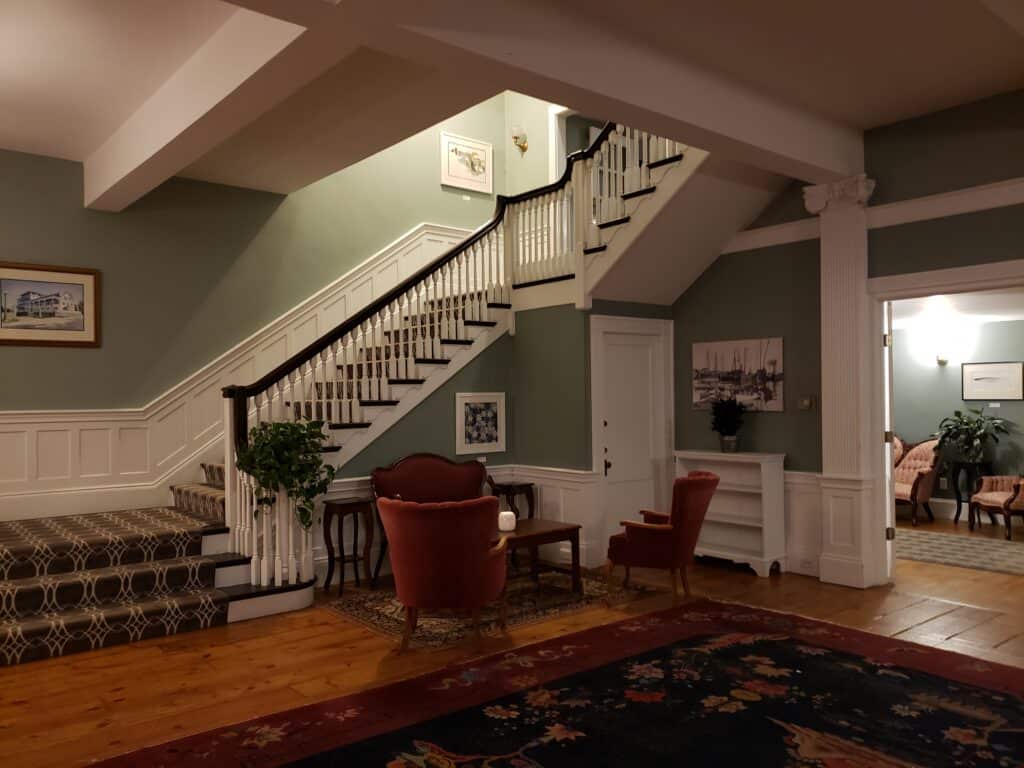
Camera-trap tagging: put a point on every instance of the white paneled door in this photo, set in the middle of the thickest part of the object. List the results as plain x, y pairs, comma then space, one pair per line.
632, 415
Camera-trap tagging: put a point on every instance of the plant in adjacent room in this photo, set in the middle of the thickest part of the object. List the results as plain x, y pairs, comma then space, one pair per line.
287, 456
726, 420
970, 433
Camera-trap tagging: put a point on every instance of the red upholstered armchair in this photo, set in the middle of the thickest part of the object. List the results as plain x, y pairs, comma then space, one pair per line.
443, 557
666, 540
425, 478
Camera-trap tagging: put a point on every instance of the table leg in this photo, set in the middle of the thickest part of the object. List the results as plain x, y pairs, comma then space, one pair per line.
577, 581
956, 492
368, 546
330, 548
380, 555
531, 502
355, 547
510, 498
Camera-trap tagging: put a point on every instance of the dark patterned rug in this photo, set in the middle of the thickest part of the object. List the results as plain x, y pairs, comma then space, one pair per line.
708, 684
528, 601
977, 552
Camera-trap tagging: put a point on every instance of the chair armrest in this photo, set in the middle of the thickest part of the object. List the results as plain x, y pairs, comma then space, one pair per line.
655, 517
498, 550
1016, 500
633, 525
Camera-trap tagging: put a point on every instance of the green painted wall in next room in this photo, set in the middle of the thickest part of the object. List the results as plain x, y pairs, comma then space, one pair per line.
925, 392
756, 294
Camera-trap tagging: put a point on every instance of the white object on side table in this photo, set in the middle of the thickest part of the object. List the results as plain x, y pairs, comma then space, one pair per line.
746, 522
507, 520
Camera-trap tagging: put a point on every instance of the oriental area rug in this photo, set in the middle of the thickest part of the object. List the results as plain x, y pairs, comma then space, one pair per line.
707, 684
527, 602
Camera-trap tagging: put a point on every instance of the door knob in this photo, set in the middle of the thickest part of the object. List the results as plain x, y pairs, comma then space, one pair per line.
607, 466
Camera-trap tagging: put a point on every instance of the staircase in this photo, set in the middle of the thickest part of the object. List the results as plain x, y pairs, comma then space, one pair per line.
88, 581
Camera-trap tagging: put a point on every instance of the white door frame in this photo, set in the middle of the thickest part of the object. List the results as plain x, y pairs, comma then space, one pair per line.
914, 285
600, 325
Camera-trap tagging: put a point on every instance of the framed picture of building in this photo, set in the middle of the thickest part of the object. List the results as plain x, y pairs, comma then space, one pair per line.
466, 163
479, 422
749, 370
42, 305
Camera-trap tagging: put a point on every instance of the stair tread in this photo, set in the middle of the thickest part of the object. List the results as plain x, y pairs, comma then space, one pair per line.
613, 222
498, 305
247, 591
431, 360
47, 546
666, 161
80, 629
594, 249
378, 402
349, 425
100, 587
459, 342
480, 323
639, 192
407, 381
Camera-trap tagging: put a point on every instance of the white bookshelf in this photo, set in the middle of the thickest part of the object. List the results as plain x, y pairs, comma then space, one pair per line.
746, 522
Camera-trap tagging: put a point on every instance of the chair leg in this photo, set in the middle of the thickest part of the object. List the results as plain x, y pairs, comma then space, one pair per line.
972, 513
686, 581
410, 626
609, 570
625, 581
913, 513
1009, 527
928, 509
675, 586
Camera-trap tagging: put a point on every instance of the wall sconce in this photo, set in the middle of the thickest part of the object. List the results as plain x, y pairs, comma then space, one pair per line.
941, 360
519, 139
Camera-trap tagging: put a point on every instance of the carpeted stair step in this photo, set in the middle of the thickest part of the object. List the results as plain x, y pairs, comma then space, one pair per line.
99, 587
201, 500
70, 631
49, 546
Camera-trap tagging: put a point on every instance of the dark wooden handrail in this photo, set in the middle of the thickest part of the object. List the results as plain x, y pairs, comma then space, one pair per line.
240, 392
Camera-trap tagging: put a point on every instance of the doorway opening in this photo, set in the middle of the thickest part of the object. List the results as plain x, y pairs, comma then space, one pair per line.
955, 420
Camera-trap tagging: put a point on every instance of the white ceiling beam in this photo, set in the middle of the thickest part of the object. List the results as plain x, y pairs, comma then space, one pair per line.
246, 67
568, 59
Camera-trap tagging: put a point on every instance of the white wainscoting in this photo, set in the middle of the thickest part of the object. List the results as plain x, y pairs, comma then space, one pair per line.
69, 462
803, 522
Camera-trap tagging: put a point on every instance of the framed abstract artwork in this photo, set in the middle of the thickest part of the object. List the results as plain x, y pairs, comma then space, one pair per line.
993, 381
466, 163
49, 306
479, 422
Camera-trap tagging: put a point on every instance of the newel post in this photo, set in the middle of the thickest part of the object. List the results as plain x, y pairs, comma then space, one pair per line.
236, 432
508, 236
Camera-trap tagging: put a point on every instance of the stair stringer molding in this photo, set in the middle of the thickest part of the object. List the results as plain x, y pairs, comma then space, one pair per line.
64, 462
669, 181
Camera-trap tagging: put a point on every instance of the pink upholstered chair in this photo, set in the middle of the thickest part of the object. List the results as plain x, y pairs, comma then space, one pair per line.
899, 450
443, 557
915, 478
666, 540
425, 477
997, 494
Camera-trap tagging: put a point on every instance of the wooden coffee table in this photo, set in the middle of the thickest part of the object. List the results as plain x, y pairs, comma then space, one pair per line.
533, 533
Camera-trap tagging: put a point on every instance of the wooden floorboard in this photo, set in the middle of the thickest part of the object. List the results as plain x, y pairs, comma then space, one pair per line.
70, 711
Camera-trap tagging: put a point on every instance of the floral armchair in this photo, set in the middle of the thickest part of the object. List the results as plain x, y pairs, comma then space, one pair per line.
997, 494
915, 478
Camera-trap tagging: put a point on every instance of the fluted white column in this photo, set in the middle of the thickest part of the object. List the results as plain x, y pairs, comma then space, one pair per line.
853, 525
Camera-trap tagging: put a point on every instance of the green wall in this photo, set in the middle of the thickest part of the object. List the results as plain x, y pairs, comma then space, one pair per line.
785, 207
964, 146
544, 371
753, 294
925, 393
955, 241
193, 268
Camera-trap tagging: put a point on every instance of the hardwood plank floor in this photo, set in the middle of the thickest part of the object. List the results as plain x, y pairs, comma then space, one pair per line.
70, 711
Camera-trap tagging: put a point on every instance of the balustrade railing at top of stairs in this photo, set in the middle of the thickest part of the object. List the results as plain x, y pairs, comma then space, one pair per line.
535, 237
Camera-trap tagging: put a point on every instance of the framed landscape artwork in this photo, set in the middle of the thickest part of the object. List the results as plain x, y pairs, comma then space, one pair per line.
479, 422
42, 305
466, 163
749, 370
993, 381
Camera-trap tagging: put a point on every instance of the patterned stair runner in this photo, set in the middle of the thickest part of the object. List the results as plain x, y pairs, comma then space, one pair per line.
76, 583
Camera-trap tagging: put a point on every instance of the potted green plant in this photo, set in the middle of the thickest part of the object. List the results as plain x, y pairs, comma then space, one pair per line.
287, 455
726, 420
970, 435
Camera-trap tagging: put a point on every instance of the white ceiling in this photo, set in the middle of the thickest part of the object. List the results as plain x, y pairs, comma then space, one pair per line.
980, 306
864, 63
72, 71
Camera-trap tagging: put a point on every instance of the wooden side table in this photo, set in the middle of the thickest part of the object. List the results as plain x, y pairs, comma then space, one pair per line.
974, 470
510, 491
362, 510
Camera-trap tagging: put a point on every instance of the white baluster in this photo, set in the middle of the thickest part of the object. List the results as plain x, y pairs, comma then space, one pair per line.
283, 508
290, 527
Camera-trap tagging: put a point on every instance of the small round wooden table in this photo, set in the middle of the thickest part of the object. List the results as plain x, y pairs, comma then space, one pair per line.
361, 509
